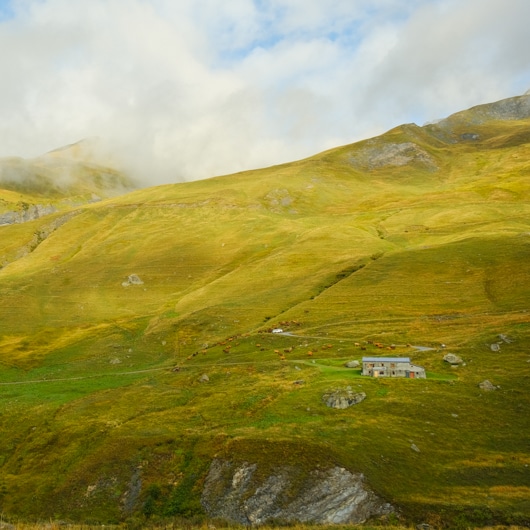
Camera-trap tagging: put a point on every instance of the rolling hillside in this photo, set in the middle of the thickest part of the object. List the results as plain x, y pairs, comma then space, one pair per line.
114, 312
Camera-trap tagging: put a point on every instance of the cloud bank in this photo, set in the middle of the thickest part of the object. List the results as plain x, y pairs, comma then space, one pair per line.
196, 88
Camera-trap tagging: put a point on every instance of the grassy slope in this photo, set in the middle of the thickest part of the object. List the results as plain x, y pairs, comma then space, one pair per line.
340, 248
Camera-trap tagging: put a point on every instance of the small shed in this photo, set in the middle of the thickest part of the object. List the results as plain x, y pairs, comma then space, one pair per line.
392, 367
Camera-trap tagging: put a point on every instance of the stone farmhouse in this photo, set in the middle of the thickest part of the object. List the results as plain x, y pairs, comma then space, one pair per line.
392, 367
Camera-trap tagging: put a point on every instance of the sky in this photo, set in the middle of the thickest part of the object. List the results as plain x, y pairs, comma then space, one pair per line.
182, 90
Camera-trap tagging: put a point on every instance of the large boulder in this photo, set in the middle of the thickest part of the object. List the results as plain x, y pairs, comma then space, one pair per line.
342, 398
132, 279
352, 364
451, 358
487, 385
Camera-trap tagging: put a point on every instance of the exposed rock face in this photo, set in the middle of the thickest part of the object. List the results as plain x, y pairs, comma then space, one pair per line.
237, 493
451, 358
343, 398
28, 213
400, 154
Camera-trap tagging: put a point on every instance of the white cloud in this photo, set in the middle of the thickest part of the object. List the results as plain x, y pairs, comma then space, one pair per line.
195, 88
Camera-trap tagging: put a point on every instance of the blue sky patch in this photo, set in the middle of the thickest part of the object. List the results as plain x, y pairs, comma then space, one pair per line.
6, 10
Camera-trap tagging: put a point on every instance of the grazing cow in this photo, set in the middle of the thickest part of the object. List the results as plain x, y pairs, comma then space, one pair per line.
357, 344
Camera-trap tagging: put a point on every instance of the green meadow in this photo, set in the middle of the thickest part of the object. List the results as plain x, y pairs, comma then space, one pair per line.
418, 239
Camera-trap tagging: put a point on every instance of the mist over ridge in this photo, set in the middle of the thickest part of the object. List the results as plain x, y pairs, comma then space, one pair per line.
182, 93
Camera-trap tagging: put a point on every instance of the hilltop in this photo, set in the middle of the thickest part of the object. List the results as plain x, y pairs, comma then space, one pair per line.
139, 377
57, 181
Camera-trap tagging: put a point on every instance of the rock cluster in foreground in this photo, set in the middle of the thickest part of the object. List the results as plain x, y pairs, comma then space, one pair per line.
239, 493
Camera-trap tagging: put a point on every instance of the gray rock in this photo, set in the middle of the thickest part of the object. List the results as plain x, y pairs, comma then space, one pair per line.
505, 338
451, 358
343, 398
495, 347
470, 136
332, 496
487, 385
204, 378
29, 213
414, 447
376, 155
352, 364
132, 279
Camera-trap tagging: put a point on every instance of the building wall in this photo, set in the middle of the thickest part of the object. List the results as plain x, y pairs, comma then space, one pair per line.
391, 369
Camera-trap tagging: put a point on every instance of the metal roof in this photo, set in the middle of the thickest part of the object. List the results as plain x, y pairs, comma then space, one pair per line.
386, 359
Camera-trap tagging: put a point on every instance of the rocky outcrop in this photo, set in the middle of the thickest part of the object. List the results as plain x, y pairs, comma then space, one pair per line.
394, 154
29, 212
342, 398
239, 493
